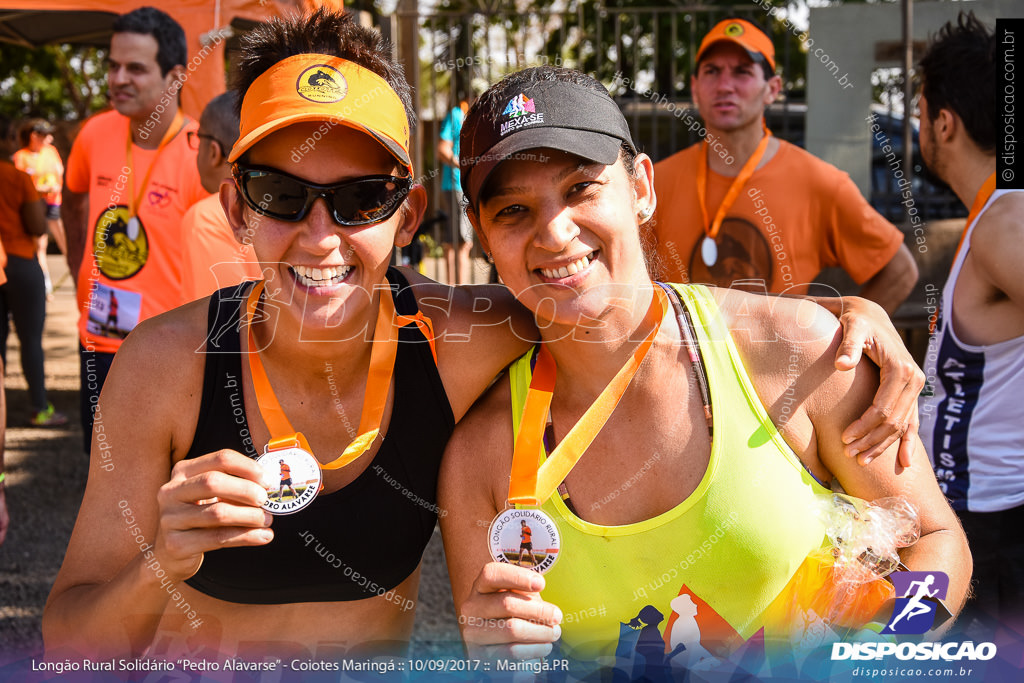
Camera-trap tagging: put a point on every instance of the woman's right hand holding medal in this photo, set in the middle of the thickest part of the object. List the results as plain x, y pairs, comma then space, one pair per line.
505, 615
210, 502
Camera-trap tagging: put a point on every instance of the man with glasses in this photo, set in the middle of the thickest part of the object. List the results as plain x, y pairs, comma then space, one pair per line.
212, 257
131, 176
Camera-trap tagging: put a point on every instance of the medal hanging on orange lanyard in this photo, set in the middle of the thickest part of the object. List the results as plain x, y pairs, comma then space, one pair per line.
136, 198
527, 536
287, 458
709, 245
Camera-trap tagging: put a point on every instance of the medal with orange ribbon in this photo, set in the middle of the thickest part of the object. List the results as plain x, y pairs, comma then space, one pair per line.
523, 534
709, 245
293, 474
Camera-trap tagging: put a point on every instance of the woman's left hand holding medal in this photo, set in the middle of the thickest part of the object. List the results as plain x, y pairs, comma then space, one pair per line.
505, 616
210, 502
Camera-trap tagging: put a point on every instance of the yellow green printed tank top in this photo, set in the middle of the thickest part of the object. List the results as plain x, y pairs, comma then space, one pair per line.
696, 582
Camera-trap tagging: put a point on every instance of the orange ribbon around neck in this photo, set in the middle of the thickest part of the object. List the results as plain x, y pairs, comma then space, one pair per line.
711, 229
136, 199
980, 200
534, 479
378, 380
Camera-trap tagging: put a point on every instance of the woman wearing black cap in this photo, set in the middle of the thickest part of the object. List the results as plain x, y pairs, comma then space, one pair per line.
673, 440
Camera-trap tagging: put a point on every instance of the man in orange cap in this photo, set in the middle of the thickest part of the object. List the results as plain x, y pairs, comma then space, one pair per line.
742, 205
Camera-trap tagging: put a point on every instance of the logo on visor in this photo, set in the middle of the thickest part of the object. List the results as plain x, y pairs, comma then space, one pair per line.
520, 105
322, 83
521, 112
733, 30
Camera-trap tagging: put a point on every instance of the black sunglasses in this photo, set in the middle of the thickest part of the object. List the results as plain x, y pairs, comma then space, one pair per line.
366, 200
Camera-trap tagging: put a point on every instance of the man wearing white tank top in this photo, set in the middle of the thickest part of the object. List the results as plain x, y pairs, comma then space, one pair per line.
972, 423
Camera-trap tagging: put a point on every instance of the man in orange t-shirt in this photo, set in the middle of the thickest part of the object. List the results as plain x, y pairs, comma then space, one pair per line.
787, 214
131, 176
213, 258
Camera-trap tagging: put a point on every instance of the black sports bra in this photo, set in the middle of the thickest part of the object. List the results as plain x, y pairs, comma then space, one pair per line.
360, 541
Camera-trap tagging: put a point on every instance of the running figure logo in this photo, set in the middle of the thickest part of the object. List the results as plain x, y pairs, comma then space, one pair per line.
518, 106
914, 612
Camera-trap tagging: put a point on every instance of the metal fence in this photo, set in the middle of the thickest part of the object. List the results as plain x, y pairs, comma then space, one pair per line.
644, 56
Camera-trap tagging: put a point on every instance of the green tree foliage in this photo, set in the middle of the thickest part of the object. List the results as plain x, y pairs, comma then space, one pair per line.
55, 82
653, 43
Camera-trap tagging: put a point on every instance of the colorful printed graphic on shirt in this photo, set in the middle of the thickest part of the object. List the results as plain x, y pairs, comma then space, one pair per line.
119, 243
694, 637
744, 257
113, 312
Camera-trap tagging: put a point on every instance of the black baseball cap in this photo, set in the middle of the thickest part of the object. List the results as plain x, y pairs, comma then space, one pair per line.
554, 114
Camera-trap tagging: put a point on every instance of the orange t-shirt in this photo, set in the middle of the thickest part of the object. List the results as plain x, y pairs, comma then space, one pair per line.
46, 169
795, 216
17, 190
3, 264
138, 260
212, 258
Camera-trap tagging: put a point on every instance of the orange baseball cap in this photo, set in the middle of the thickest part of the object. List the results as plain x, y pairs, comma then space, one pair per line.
315, 87
743, 33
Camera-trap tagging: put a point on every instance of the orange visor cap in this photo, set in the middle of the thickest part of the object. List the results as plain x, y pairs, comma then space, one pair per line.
315, 87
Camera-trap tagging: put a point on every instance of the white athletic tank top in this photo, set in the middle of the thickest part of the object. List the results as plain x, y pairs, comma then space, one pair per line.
972, 424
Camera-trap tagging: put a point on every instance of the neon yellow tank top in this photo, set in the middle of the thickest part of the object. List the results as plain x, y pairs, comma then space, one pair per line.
704, 573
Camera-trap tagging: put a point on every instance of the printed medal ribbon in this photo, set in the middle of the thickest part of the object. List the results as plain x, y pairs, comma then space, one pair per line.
378, 380
711, 230
136, 198
534, 479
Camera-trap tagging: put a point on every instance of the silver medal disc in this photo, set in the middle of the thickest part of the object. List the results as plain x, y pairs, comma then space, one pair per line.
292, 479
133, 228
526, 537
709, 252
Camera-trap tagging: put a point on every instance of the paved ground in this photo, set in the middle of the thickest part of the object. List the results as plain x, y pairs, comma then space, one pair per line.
46, 474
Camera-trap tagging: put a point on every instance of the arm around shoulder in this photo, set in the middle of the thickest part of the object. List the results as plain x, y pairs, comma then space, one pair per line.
834, 399
826, 401
479, 330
